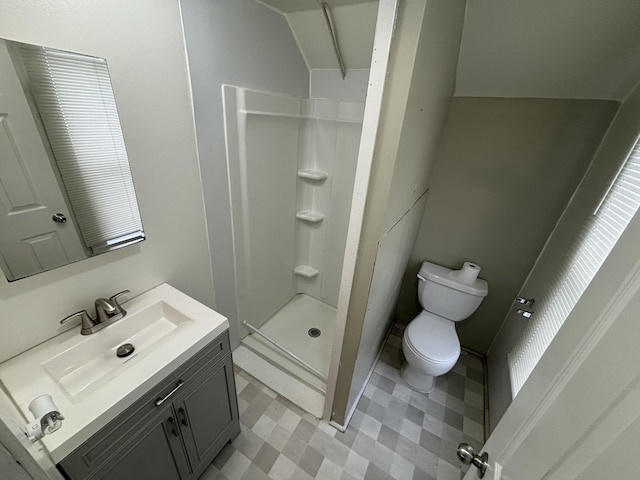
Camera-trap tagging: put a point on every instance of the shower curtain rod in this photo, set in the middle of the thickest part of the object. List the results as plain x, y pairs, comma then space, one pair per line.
328, 16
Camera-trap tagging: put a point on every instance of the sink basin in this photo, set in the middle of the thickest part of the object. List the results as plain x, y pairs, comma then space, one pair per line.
89, 383
93, 361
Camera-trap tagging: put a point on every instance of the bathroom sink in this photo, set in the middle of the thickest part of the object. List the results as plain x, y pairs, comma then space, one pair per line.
89, 383
93, 361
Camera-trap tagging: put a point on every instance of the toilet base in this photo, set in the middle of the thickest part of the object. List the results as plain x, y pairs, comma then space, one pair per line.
416, 380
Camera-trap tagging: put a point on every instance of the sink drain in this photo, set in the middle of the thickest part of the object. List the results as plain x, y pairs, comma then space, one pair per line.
314, 332
125, 350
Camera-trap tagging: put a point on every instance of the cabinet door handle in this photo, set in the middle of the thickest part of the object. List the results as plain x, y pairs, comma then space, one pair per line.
183, 417
172, 426
161, 400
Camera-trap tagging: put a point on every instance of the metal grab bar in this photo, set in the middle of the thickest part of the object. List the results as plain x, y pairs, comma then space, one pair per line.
317, 373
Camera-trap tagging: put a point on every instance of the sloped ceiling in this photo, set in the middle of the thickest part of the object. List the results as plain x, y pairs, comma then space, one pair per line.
550, 48
288, 6
355, 23
510, 48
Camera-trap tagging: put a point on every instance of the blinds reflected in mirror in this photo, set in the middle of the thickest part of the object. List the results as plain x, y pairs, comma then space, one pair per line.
75, 100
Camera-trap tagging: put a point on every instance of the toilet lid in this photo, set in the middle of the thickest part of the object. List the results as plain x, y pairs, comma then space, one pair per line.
434, 338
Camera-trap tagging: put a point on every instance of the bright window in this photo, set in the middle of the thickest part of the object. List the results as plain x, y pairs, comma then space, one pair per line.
591, 247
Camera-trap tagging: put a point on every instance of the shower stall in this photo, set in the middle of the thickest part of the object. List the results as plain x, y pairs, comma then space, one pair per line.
286, 141
291, 164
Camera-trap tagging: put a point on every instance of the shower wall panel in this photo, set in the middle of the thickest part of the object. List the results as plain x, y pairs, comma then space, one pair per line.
270, 174
262, 145
338, 204
329, 142
292, 165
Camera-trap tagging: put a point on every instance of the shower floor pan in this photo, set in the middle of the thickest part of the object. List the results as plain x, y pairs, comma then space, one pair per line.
290, 327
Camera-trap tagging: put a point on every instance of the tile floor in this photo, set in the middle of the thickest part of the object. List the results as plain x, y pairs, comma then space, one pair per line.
395, 433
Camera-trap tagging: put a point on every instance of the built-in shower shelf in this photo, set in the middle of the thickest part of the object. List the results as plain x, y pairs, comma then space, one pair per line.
306, 271
309, 216
314, 175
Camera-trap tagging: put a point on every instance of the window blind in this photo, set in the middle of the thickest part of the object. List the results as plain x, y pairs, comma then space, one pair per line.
591, 247
75, 100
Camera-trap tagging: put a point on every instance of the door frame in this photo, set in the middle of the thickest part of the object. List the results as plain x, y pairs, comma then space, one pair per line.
615, 285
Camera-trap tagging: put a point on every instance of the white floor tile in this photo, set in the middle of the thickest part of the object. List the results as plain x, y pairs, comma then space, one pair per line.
356, 464
264, 427
282, 469
328, 471
446, 471
236, 465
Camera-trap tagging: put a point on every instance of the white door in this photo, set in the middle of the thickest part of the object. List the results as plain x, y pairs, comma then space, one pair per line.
578, 414
30, 241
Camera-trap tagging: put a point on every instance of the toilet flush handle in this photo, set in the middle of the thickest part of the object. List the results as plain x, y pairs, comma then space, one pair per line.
527, 302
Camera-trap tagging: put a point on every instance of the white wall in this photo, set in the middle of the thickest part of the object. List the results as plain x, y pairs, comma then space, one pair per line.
143, 44
242, 43
300, 5
620, 138
149, 75
328, 83
421, 82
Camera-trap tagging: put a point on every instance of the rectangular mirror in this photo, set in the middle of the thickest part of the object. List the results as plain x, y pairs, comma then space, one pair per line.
66, 191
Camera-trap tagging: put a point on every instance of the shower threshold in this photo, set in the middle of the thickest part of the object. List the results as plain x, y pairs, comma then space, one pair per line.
290, 327
293, 356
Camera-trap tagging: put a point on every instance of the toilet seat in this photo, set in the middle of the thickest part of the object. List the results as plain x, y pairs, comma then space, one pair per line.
433, 339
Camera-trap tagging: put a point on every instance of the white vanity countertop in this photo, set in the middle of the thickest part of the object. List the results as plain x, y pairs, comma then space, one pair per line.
25, 376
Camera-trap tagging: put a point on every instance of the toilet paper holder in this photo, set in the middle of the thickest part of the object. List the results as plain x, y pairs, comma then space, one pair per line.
47, 417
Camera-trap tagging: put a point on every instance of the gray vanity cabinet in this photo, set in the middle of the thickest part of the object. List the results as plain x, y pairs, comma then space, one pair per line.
201, 430
173, 432
155, 454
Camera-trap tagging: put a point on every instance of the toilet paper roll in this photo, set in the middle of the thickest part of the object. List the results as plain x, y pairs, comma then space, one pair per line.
467, 274
46, 413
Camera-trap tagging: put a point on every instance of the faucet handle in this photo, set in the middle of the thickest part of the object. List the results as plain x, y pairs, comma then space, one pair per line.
117, 306
87, 321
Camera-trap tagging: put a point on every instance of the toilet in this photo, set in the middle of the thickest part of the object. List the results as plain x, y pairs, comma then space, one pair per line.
430, 343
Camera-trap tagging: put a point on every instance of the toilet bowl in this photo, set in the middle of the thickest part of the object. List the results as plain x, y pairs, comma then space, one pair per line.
430, 342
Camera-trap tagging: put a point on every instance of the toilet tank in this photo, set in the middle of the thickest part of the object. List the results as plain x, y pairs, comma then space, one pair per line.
445, 296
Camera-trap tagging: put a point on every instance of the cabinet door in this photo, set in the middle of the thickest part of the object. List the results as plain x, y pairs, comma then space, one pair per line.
156, 453
208, 414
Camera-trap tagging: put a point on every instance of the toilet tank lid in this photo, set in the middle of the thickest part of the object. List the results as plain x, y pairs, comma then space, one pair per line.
440, 274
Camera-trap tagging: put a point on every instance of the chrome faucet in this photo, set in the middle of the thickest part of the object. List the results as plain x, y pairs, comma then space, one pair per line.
108, 311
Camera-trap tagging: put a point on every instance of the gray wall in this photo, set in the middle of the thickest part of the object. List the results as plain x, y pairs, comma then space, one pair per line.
243, 43
620, 138
505, 170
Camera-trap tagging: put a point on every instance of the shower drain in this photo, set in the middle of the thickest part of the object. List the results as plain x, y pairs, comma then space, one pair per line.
314, 332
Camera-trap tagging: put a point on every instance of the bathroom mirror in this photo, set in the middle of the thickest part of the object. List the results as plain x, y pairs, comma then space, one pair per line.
66, 191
